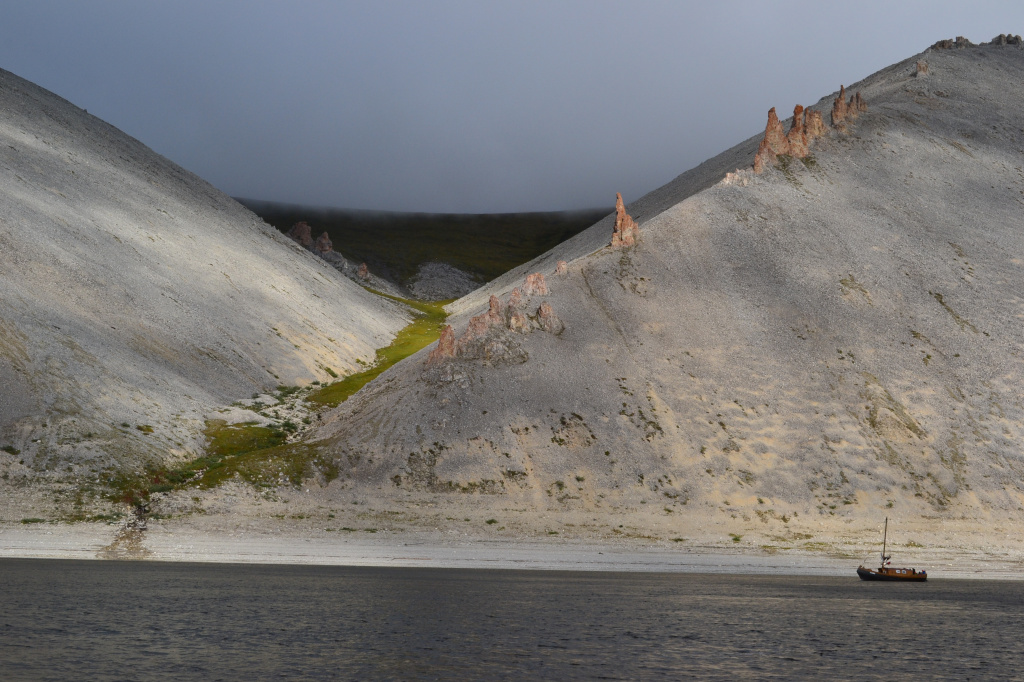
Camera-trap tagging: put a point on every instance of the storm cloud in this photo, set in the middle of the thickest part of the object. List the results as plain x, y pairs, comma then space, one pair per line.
460, 106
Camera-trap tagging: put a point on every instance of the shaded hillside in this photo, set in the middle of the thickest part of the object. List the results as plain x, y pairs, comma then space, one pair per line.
395, 245
135, 298
832, 338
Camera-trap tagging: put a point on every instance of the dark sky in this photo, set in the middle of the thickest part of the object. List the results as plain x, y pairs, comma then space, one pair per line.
460, 106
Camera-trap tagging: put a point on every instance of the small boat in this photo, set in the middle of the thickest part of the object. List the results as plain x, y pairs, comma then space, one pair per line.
887, 572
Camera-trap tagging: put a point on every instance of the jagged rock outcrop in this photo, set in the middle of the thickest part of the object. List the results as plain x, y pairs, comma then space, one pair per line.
486, 334
535, 285
547, 320
323, 245
1006, 39
774, 143
807, 126
843, 110
301, 233
363, 272
839, 108
797, 138
948, 44
922, 69
495, 311
626, 231
764, 157
774, 134
814, 125
445, 346
740, 177
515, 299
561, 268
519, 322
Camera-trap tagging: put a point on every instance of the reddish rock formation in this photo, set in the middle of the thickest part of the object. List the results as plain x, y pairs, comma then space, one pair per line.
922, 69
797, 138
535, 285
839, 109
562, 268
495, 311
300, 232
774, 135
478, 326
323, 244
547, 319
765, 157
814, 126
776, 142
515, 299
445, 346
363, 272
626, 231
478, 337
807, 126
519, 322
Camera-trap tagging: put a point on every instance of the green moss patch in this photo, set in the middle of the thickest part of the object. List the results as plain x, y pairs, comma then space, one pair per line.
260, 455
255, 454
424, 330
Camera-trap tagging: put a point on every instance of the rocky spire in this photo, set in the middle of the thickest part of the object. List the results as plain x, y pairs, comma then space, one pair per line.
814, 126
774, 135
808, 125
775, 141
547, 319
515, 299
300, 232
839, 109
445, 346
323, 244
797, 138
626, 231
535, 285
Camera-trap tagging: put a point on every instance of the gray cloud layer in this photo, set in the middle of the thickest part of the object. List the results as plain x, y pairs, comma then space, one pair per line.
460, 106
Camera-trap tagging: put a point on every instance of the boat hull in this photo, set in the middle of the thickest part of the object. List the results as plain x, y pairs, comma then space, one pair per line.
903, 575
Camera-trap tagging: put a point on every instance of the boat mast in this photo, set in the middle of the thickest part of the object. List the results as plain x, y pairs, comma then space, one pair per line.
885, 536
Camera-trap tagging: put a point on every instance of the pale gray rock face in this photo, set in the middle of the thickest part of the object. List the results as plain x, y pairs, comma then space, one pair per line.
134, 293
440, 282
17, 399
836, 339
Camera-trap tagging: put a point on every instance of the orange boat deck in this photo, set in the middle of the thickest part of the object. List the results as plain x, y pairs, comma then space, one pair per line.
890, 573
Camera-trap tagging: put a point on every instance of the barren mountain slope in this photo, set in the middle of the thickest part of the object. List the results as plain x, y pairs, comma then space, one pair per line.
134, 296
832, 339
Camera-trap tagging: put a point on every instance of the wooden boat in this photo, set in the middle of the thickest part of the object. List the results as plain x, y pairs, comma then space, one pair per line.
887, 572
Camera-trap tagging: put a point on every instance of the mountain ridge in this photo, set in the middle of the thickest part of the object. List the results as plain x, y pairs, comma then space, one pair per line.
822, 342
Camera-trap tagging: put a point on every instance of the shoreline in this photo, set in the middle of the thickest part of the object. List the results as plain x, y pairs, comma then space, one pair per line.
87, 541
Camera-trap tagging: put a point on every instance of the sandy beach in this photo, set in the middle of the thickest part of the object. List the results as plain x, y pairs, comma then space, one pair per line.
442, 550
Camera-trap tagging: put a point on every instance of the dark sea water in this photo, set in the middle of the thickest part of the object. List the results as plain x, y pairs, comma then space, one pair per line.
89, 620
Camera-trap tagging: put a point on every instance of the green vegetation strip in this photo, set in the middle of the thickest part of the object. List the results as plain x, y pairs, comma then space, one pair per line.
258, 454
420, 333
